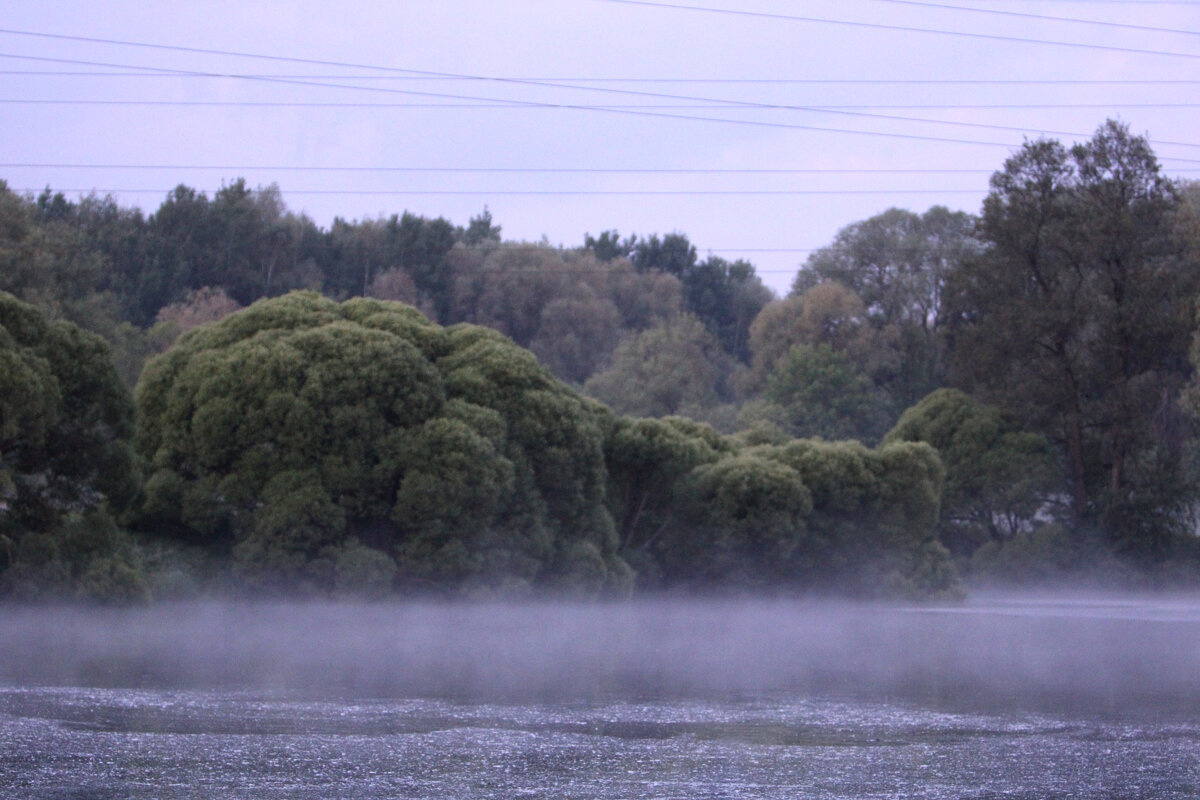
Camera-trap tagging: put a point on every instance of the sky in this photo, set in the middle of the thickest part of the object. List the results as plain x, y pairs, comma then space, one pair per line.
759, 128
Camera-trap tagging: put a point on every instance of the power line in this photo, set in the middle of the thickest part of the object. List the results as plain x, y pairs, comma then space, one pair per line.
1044, 17
732, 103
169, 73
564, 192
629, 111
522, 170
569, 106
506, 105
902, 28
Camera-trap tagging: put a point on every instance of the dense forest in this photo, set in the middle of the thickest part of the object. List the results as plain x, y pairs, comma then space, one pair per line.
224, 396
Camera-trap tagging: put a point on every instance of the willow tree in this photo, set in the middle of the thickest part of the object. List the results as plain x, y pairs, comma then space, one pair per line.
297, 432
65, 424
1001, 480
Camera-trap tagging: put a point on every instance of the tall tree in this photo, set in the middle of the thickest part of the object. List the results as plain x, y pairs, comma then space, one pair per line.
672, 254
898, 263
726, 296
1076, 318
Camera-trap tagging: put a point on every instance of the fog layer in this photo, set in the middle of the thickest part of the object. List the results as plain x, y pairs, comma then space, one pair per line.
1115, 655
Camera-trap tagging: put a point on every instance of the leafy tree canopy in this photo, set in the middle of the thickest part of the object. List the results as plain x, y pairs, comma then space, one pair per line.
1076, 320
298, 431
65, 424
999, 478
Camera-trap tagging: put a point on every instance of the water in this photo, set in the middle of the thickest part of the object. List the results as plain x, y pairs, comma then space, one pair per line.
1071, 698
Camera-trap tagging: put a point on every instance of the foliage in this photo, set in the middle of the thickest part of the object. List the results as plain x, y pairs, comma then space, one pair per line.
1047, 555
899, 264
1000, 479
647, 461
65, 422
45, 261
662, 371
726, 297
198, 307
1076, 320
297, 425
82, 555
701, 510
820, 393
874, 518
672, 254
576, 333
361, 448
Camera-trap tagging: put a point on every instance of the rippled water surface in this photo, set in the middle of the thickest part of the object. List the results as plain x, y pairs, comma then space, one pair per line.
1066, 698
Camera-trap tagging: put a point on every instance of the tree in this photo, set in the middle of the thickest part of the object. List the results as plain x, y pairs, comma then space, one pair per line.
609, 245
1076, 319
827, 314
45, 261
198, 307
647, 462
508, 287
672, 254
819, 392
666, 370
297, 430
644, 299
748, 515
898, 264
873, 525
726, 297
576, 334
480, 229
1000, 479
65, 424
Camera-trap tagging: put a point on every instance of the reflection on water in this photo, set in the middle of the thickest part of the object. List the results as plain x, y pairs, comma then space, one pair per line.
1048, 698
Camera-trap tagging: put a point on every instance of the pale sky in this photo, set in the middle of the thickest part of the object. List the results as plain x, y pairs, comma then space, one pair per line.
758, 128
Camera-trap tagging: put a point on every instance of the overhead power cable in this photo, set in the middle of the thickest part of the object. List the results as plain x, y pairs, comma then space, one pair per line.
1044, 17
571, 106
520, 170
563, 192
902, 28
732, 104
503, 105
168, 73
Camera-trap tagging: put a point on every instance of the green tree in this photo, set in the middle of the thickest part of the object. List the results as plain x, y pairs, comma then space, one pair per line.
746, 518
1077, 318
609, 245
898, 263
647, 461
508, 287
643, 299
1000, 479
576, 334
873, 525
298, 428
827, 314
45, 261
672, 254
819, 392
65, 424
673, 368
726, 297
480, 229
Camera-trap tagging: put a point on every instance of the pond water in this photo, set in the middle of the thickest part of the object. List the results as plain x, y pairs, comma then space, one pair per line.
998, 697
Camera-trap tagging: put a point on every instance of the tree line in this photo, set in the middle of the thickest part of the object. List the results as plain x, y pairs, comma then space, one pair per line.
1040, 352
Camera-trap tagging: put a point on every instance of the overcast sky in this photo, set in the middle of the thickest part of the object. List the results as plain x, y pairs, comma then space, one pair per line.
758, 127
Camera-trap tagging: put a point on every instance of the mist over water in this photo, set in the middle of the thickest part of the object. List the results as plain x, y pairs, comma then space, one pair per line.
1067, 696
1110, 655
